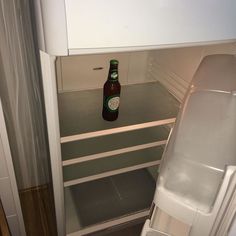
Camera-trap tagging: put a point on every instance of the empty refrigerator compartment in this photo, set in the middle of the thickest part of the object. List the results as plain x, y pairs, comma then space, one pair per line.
80, 111
96, 169
106, 199
80, 151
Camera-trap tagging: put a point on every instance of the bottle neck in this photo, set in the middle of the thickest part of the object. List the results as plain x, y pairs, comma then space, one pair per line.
113, 73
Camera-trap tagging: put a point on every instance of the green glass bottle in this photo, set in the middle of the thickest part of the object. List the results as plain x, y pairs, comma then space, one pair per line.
111, 93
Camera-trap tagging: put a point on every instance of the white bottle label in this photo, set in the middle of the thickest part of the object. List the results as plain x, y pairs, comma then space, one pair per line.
113, 103
114, 75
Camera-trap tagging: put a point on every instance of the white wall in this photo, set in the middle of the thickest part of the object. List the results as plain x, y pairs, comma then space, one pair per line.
8, 188
90, 71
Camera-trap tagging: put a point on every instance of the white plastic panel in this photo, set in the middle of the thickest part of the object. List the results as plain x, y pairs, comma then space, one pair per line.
14, 225
6, 196
80, 112
217, 72
51, 26
232, 230
110, 24
163, 222
3, 165
102, 201
175, 67
199, 159
203, 140
49, 86
90, 71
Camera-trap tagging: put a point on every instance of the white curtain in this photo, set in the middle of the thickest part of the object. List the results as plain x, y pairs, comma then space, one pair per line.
21, 95
23, 106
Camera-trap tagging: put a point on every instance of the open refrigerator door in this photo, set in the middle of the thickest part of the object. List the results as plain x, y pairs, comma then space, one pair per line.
197, 172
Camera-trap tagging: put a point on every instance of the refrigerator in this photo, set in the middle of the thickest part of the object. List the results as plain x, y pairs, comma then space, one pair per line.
169, 159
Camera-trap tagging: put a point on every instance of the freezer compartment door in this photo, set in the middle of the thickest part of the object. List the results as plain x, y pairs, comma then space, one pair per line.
129, 23
87, 26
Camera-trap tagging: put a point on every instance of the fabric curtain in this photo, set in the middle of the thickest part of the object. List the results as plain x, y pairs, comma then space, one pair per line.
22, 98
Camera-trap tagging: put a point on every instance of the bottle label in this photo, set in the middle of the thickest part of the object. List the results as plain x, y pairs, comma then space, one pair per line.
112, 103
114, 75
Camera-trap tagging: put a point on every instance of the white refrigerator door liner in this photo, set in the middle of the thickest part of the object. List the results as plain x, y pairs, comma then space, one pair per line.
199, 158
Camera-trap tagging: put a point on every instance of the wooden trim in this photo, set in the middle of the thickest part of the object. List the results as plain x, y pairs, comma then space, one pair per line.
39, 199
83, 51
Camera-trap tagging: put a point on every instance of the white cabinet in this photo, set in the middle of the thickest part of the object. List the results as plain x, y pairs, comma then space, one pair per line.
87, 26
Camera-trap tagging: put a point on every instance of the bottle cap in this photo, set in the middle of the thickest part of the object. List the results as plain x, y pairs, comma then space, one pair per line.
114, 62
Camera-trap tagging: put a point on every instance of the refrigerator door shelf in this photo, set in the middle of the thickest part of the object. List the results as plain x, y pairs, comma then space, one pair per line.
225, 223
199, 159
147, 231
201, 222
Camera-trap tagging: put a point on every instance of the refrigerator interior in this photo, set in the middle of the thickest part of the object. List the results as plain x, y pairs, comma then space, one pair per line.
110, 168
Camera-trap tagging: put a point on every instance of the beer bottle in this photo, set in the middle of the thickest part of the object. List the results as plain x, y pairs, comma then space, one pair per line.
111, 93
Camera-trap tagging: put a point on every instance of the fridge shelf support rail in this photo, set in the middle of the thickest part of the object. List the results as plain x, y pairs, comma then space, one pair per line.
110, 173
98, 227
112, 153
94, 134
